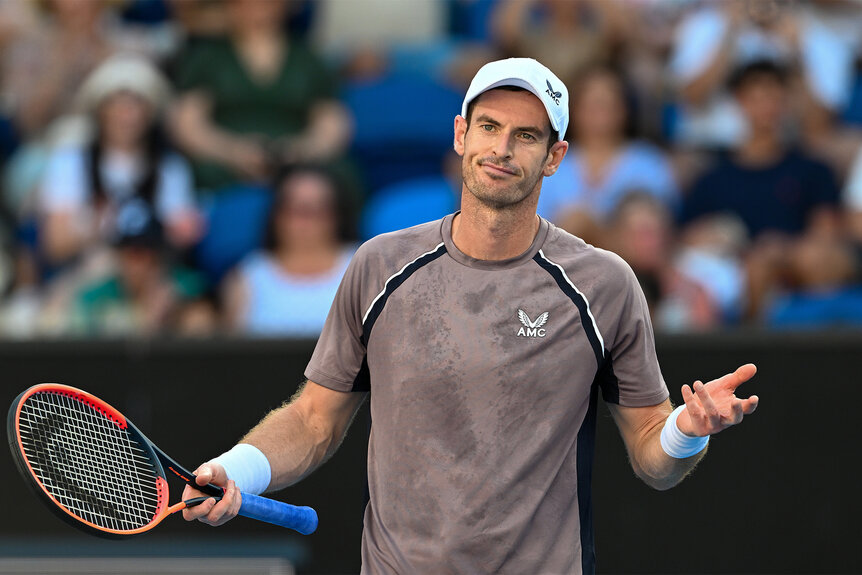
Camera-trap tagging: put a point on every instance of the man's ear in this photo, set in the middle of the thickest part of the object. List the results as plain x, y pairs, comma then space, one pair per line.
555, 158
460, 134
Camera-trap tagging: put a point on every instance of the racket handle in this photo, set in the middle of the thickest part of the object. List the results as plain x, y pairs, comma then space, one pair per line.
302, 519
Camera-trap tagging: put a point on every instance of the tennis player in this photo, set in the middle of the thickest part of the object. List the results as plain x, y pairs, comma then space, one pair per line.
484, 340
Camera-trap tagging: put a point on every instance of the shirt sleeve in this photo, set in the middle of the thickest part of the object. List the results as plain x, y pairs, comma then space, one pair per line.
823, 186
631, 376
339, 359
828, 64
64, 184
696, 43
651, 170
175, 195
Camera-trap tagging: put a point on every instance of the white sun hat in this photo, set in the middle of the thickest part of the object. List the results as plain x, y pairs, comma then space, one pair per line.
530, 75
124, 73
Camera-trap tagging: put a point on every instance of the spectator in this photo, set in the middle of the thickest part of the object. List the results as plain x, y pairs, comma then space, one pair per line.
17, 21
46, 65
824, 290
287, 287
142, 295
256, 98
822, 130
641, 232
54, 53
126, 158
710, 254
777, 191
773, 187
604, 162
646, 30
42, 69
336, 31
567, 35
723, 36
199, 18
382, 46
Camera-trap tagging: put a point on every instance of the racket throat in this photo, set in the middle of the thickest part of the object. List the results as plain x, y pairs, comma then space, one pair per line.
193, 502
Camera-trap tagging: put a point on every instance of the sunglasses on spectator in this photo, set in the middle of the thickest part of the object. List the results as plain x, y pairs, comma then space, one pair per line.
308, 210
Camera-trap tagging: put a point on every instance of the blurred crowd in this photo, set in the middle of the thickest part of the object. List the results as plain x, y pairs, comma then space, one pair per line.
201, 167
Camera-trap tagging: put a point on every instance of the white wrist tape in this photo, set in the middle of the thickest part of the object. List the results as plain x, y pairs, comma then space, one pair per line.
676, 443
248, 467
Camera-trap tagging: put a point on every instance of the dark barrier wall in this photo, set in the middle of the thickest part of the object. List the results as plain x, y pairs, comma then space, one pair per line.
777, 494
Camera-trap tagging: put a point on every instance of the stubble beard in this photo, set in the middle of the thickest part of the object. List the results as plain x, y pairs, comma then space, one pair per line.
496, 197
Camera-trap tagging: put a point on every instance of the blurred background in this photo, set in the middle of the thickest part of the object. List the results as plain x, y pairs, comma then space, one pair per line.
183, 183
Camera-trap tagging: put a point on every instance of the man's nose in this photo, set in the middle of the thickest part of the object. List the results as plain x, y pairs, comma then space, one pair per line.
503, 145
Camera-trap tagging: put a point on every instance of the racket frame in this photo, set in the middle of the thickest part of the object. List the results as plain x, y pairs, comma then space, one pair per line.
159, 459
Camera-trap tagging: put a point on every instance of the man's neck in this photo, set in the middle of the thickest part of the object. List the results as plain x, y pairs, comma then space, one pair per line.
760, 150
488, 234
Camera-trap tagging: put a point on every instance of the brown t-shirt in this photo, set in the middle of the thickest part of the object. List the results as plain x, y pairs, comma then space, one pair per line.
484, 378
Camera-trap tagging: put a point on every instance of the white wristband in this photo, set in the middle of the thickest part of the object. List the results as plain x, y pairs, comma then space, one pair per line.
676, 443
247, 466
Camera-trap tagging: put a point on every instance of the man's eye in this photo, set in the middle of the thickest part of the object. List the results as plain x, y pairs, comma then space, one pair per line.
527, 136
487, 127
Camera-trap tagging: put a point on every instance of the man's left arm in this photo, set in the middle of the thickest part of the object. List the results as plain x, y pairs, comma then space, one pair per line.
709, 408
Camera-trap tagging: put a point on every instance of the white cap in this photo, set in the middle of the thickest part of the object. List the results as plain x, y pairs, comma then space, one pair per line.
530, 75
124, 72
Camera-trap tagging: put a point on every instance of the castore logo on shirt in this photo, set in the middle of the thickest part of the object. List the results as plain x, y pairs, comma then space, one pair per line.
532, 328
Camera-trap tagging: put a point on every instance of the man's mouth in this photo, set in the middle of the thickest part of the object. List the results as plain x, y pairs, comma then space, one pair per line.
496, 168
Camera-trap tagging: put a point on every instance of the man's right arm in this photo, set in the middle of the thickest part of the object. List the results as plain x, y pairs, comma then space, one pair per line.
296, 439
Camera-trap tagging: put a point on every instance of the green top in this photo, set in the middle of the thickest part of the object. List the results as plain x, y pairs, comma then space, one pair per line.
104, 307
243, 104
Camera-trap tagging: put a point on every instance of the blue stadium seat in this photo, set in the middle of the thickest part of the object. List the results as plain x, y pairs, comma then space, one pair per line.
403, 126
408, 203
472, 20
236, 221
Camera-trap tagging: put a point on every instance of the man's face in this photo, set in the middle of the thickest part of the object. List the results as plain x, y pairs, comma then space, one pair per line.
505, 148
762, 102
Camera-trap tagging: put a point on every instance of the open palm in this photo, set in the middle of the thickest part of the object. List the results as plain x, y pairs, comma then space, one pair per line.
713, 407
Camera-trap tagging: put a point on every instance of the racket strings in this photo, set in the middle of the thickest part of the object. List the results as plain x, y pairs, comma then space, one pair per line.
88, 463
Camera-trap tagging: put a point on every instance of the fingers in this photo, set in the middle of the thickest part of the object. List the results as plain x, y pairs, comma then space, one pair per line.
750, 404
736, 412
226, 509
742, 374
707, 415
206, 473
703, 414
211, 473
693, 411
742, 407
198, 511
214, 512
710, 410
745, 372
687, 394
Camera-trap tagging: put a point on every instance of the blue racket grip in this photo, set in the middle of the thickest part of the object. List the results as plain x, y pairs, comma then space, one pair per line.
302, 519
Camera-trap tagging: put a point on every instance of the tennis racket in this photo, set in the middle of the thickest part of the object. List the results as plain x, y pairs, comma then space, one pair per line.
99, 473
